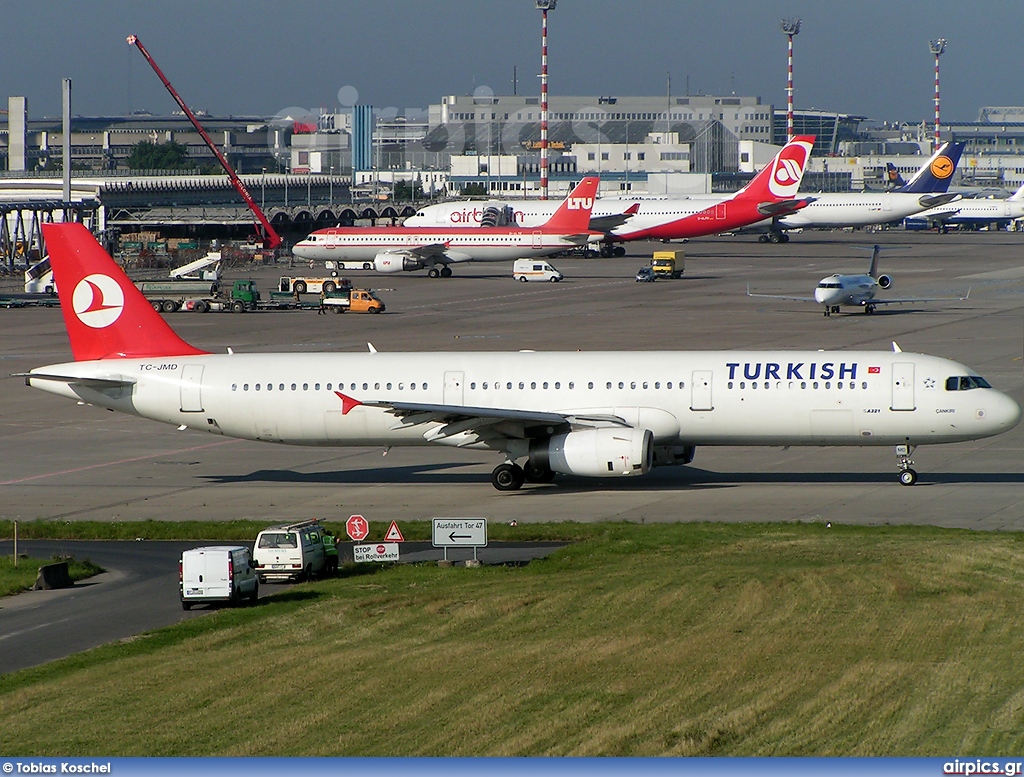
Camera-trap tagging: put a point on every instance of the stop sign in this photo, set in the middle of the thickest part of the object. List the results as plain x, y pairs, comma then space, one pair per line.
357, 527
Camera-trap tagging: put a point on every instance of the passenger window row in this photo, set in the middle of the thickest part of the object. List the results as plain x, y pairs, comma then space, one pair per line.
571, 385
329, 386
803, 384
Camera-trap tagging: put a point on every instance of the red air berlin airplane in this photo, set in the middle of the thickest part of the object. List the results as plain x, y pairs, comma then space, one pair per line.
394, 249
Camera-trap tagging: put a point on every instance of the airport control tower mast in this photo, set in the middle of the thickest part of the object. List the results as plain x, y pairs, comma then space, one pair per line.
790, 27
544, 6
937, 47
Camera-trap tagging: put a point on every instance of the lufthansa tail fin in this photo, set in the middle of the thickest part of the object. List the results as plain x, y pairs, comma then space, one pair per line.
781, 178
573, 215
892, 177
105, 314
937, 173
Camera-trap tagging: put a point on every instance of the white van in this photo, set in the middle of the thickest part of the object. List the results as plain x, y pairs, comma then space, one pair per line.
535, 270
291, 551
220, 573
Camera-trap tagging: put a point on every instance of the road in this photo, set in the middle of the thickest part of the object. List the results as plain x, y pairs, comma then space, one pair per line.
139, 592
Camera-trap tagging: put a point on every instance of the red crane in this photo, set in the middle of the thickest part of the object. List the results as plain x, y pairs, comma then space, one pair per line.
270, 237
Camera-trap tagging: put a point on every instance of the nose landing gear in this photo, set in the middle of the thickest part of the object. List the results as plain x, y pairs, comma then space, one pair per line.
908, 476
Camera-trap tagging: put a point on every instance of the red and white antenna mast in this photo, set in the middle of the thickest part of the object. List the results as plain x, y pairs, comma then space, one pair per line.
790, 27
544, 6
937, 47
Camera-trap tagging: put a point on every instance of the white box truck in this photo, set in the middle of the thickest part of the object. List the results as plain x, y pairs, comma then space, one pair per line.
219, 573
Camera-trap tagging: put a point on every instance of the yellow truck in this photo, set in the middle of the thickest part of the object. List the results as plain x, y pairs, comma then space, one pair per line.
667, 264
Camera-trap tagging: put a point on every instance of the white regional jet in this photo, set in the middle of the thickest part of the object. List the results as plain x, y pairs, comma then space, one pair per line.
599, 414
837, 291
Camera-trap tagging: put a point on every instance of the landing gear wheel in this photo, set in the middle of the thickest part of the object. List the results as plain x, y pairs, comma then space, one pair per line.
773, 237
619, 251
783, 237
606, 251
537, 474
908, 477
446, 272
869, 309
433, 272
762, 238
508, 477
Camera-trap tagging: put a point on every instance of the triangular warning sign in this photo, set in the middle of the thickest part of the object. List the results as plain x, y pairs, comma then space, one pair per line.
394, 534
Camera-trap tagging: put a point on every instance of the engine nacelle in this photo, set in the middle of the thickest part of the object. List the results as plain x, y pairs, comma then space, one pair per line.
884, 281
596, 453
390, 262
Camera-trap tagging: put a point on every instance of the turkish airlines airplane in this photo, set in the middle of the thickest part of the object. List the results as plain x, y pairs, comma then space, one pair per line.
397, 249
599, 414
838, 290
771, 193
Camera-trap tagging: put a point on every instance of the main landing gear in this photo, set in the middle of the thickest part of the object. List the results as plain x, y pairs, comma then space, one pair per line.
440, 272
908, 476
510, 476
773, 236
608, 250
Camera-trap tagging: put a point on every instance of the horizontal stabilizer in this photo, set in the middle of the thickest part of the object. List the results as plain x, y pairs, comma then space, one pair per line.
77, 380
935, 200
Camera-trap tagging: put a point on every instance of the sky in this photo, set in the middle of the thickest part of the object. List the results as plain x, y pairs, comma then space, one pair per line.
262, 58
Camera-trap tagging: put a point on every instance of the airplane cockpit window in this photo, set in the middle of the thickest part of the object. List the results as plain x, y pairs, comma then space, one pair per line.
966, 383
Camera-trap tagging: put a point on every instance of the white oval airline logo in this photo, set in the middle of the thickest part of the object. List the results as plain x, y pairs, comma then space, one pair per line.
788, 170
98, 301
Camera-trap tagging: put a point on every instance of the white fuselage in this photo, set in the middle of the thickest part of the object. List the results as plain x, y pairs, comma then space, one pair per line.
828, 210
460, 245
688, 398
846, 290
981, 211
853, 209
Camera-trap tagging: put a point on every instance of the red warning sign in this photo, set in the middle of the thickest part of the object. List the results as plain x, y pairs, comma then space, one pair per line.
394, 534
357, 527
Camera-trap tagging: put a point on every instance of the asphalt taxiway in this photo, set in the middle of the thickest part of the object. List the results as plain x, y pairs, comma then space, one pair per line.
68, 462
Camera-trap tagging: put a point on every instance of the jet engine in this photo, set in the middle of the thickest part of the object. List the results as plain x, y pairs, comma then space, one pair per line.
596, 453
392, 262
494, 216
884, 281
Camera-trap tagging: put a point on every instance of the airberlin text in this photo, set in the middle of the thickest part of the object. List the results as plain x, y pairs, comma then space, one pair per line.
63, 767
793, 371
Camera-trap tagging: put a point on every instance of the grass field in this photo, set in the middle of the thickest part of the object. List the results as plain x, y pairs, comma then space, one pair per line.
685, 639
15, 579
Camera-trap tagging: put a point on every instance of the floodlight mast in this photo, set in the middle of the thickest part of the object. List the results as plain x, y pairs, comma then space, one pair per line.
790, 27
544, 6
936, 47
269, 236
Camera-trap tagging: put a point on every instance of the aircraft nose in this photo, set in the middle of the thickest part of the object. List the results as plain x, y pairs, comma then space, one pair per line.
821, 296
1004, 412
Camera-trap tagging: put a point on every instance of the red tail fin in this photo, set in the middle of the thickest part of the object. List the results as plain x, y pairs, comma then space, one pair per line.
105, 315
780, 179
573, 215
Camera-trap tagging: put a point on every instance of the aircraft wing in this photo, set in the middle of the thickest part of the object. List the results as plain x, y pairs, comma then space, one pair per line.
935, 200
610, 222
430, 251
780, 296
484, 422
908, 300
783, 207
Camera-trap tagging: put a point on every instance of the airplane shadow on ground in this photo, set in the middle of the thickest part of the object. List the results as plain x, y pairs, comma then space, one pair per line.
683, 478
